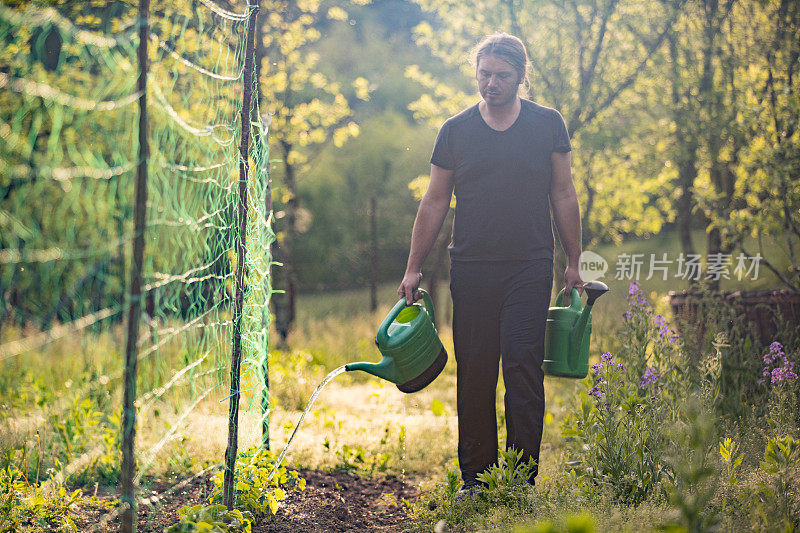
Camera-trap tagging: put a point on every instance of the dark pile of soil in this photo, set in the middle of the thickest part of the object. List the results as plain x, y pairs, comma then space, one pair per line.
331, 501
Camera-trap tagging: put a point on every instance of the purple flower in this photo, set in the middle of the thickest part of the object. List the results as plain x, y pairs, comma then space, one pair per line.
650, 377
663, 329
596, 391
777, 366
636, 297
606, 358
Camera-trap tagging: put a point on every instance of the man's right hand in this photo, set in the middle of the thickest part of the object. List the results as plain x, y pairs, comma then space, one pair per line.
408, 288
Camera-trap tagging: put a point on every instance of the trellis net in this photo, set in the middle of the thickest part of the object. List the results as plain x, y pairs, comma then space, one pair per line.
68, 157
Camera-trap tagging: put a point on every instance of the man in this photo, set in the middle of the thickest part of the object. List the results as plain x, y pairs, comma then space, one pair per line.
508, 161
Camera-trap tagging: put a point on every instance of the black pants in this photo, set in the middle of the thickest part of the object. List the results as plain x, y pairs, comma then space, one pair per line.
499, 307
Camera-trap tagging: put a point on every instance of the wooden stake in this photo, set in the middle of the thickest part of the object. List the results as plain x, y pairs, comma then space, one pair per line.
228, 486
128, 497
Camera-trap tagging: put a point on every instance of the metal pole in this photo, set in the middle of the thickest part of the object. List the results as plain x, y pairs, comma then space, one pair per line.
128, 517
228, 486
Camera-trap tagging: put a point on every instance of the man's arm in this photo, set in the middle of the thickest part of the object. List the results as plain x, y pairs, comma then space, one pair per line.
430, 216
567, 215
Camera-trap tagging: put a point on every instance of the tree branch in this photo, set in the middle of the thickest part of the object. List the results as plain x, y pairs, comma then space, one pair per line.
577, 121
784, 279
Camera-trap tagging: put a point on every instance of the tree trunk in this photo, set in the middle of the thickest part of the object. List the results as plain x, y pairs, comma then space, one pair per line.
373, 254
285, 320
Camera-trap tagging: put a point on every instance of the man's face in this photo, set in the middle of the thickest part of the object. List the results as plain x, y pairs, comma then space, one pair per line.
497, 81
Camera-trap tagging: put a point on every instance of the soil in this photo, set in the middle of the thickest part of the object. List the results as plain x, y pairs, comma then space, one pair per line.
331, 502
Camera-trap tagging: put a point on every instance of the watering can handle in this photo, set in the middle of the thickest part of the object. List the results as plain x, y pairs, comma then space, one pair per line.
576, 298
382, 335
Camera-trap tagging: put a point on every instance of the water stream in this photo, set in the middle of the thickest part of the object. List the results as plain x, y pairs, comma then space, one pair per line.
310, 403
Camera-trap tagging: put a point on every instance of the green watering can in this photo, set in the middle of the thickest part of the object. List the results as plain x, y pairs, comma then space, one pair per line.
566, 337
412, 353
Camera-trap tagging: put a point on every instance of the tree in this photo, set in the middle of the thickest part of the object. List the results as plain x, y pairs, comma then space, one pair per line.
767, 178
306, 112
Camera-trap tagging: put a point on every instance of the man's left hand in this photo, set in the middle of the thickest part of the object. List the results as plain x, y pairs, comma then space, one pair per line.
572, 278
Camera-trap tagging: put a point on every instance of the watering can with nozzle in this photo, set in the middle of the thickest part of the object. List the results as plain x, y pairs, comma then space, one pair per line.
412, 353
567, 334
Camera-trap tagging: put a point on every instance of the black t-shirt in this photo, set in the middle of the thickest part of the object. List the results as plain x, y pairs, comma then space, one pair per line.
502, 183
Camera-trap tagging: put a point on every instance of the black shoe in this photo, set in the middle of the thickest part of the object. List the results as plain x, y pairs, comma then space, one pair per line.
469, 487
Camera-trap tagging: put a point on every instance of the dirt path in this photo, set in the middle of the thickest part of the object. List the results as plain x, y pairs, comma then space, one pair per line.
331, 501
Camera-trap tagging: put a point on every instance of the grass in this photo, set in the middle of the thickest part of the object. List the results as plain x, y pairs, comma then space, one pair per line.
359, 423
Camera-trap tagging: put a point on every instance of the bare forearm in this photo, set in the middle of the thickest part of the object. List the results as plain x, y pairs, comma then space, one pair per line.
430, 217
567, 215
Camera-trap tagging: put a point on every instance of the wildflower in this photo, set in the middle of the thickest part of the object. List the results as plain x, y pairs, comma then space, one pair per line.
777, 367
596, 391
650, 377
636, 298
663, 329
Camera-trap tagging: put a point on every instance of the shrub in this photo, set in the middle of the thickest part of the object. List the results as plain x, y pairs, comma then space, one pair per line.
49, 506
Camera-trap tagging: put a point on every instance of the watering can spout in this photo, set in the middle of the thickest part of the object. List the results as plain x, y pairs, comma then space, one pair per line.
385, 369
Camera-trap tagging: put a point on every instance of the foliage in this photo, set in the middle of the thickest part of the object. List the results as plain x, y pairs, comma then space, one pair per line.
692, 489
572, 523
211, 519
510, 473
353, 458
777, 495
505, 487
617, 435
91, 441
34, 507
256, 493
728, 450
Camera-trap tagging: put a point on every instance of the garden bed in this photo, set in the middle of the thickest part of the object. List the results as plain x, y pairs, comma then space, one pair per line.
331, 501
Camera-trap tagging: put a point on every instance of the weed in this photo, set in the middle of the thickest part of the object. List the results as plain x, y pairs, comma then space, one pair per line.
510, 472
777, 494
616, 436
572, 523
212, 519
694, 486
728, 451
355, 458
29, 507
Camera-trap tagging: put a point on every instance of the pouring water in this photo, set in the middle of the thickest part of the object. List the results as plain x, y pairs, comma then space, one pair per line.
310, 403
